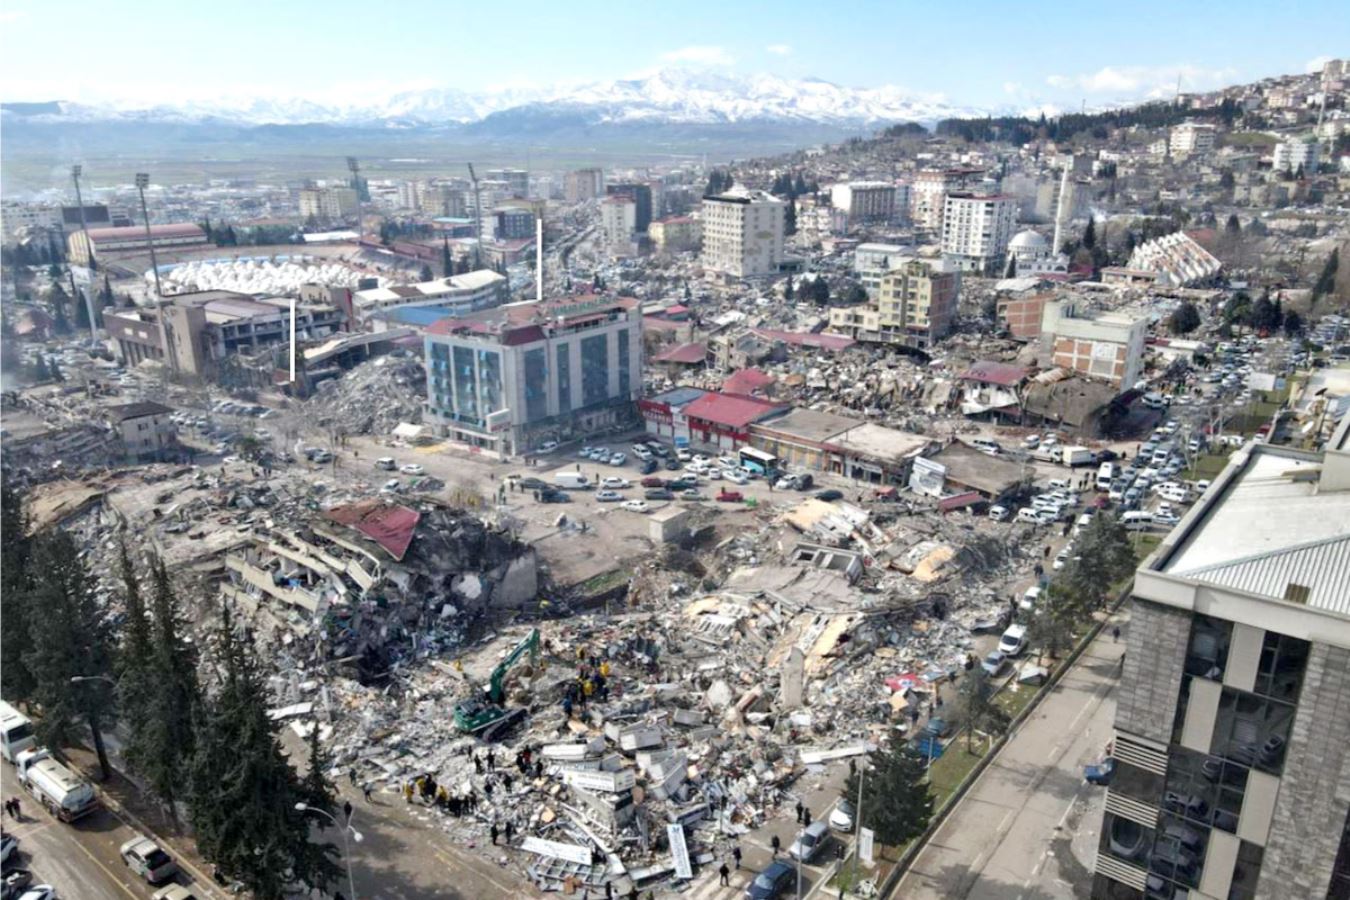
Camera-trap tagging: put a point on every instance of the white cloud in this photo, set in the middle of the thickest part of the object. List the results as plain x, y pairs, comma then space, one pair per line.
779, 49
1316, 63
1143, 81
1014, 88
702, 55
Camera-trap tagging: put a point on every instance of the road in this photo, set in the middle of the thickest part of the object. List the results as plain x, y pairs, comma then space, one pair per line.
80, 859
1008, 837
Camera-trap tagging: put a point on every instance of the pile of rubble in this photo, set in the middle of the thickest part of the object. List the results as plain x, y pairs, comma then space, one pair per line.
372, 398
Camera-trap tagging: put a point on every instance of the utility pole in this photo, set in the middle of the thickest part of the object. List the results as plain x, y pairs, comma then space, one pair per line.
75, 172
477, 221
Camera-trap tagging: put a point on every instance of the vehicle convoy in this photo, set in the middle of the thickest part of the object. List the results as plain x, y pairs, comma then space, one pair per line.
63, 793
484, 715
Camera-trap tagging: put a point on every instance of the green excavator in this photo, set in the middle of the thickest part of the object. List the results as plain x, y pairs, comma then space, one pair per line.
484, 715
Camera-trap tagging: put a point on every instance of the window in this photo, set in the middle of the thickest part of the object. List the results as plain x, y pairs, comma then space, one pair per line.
594, 370
466, 391
1178, 852
1205, 790
1248, 867
1280, 673
625, 374
564, 370
1125, 840
1252, 731
536, 384
1207, 654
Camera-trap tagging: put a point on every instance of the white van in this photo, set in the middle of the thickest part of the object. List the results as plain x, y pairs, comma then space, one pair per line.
1029, 597
988, 445
1013, 641
1028, 515
1106, 473
1137, 520
16, 732
571, 481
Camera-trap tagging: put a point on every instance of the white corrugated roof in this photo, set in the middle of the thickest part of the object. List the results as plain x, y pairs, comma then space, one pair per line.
1323, 567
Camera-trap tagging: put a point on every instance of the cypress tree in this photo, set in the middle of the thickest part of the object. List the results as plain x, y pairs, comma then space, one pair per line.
243, 791
1090, 235
788, 290
16, 681
70, 639
447, 262
319, 790
790, 219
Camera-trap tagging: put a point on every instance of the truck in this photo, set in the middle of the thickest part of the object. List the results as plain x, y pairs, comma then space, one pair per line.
571, 481
484, 714
16, 732
1046, 454
63, 793
1077, 456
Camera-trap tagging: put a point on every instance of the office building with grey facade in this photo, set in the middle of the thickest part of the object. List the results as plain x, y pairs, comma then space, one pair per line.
510, 378
1232, 731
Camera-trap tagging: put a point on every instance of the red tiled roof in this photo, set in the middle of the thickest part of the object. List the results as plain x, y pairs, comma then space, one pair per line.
746, 381
391, 527
690, 354
137, 232
806, 339
734, 412
994, 373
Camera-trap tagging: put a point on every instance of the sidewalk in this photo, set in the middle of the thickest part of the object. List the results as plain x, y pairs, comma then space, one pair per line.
1007, 835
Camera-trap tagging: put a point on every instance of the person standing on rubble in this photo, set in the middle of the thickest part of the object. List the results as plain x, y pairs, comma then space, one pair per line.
776, 843
736, 855
407, 791
800, 808
492, 831
477, 763
567, 708
491, 760
365, 789
806, 817
510, 833
538, 768
725, 873
604, 668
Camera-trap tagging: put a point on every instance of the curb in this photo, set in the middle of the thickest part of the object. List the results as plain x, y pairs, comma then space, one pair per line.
940, 815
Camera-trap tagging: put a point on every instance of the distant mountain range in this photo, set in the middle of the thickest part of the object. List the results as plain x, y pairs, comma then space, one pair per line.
676, 96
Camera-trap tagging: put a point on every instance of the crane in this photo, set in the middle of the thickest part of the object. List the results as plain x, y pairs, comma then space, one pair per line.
485, 716
477, 222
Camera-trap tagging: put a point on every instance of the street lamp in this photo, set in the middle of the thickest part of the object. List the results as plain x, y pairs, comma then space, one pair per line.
346, 847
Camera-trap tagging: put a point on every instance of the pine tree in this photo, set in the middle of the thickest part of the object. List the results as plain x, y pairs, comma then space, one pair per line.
447, 261
16, 681
896, 802
1106, 556
1184, 319
243, 791
1058, 613
790, 219
799, 186
1090, 235
820, 290
318, 789
788, 290
425, 274
70, 639
177, 690
979, 712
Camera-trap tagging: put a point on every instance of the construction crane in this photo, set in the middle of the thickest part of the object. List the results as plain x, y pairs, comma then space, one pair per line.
477, 222
484, 715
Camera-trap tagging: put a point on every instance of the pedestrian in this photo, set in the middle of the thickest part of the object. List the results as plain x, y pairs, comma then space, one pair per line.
351, 775
347, 810
806, 818
1115, 634
407, 791
487, 789
736, 855
538, 768
365, 789
609, 890
567, 707
776, 843
510, 832
477, 764
493, 832
852, 767
799, 811
725, 872
491, 761
1047, 551
839, 851
506, 780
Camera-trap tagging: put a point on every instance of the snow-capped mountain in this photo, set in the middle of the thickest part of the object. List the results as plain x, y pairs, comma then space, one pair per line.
674, 95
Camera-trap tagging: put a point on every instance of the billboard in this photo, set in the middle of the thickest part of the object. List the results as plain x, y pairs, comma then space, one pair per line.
926, 477
499, 421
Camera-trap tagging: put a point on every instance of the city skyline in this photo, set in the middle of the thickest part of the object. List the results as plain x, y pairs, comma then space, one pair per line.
547, 47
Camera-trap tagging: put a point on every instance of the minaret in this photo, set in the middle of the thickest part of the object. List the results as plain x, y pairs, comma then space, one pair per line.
1059, 212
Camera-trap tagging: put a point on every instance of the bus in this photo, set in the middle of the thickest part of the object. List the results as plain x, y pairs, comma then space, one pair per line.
757, 460
16, 732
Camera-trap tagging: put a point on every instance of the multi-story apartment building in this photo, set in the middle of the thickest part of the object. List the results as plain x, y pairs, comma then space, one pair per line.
618, 220
442, 201
865, 202
583, 184
512, 222
516, 181
675, 233
1290, 156
1106, 346
916, 304
328, 203
928, 194
1191, 139
145, 430
410, 195
512, 377
459, 294
743, 233
976, 229
1232, 728
871, 261
641, 195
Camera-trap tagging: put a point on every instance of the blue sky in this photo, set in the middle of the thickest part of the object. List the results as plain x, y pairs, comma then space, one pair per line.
980, 54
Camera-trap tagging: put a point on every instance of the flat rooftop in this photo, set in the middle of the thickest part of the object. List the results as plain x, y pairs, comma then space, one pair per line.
1273, 525
811, 425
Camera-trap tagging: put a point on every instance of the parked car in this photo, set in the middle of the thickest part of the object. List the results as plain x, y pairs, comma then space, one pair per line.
841, 818
531, 483
648, 466
553, 495
734, 476
772, 882
994, 663
176, 892
673, 465
810, 841
15, 880
1100, 773
637, 506
387, 463
690, 494
613, 482
9, 845
830, 495
727, 496
144, 857
391, 486
39, 892
618, 459
659, 494
547, 447
411, 469
653, 482
607, 496
1013, 641
998, 513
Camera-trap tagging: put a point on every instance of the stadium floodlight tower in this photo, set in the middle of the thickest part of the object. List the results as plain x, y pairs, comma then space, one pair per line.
166, 333
355, 168
75, 172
